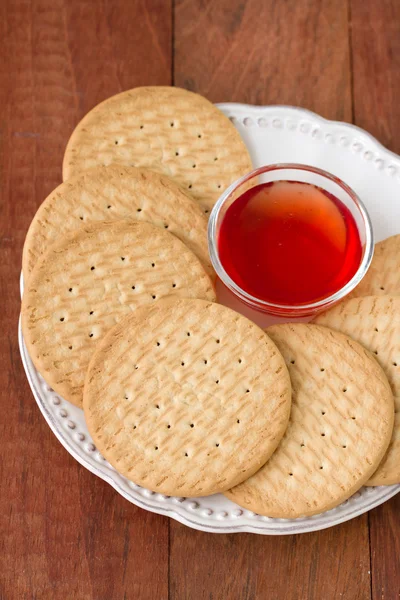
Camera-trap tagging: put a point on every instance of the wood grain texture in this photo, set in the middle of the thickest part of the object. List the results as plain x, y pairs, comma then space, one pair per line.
266, 52
375, 40
385, 550
63, 532
328, 565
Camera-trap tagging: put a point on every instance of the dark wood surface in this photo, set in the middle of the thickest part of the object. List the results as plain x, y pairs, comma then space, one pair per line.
65, 534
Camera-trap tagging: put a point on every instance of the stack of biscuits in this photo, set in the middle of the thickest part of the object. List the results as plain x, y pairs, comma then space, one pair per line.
182, 395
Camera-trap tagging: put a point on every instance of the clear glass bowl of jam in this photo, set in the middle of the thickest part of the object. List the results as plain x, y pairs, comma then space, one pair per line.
290, 240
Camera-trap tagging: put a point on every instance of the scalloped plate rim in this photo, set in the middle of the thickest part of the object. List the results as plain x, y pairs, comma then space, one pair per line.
313, 115
172, 512
294, 526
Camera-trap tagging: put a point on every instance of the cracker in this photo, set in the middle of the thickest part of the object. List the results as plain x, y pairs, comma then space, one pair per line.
374, 321
383, 276
186, 397
167, 129
339, 429
114, 193
85, 283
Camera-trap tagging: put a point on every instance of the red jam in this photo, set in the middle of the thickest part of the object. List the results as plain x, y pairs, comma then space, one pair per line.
289, 243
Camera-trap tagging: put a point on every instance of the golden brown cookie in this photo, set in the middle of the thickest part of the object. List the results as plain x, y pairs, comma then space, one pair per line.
339, 428
114, 193
383, 276
374, 321
86, 282
186, 397
167, 129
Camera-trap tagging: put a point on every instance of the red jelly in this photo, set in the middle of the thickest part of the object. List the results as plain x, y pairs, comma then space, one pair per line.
289, 243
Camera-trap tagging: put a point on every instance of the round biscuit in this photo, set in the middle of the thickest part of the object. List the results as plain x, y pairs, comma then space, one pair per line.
339, 428
167, 129
114, 193
383, 276
186, 397
374, 322
86, 282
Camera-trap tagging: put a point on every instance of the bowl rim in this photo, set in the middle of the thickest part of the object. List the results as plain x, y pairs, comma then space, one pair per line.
293, 309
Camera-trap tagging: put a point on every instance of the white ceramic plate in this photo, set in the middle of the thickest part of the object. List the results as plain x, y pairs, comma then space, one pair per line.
273, 134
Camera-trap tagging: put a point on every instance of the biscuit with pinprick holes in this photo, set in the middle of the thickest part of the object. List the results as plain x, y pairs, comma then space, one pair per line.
374, 321
166, 129
114, 193
383, 276
339, 428
86, 282
186, 397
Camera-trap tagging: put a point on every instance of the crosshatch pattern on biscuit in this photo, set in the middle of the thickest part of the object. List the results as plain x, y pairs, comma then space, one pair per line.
383, 276
87, 282
374, 322
339, 429
113, 193
169, 130
186, 397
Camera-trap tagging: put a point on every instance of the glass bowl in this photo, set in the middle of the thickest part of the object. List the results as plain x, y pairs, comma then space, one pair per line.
299, 173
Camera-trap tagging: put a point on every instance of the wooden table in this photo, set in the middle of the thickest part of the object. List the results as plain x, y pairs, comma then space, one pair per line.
64, 533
